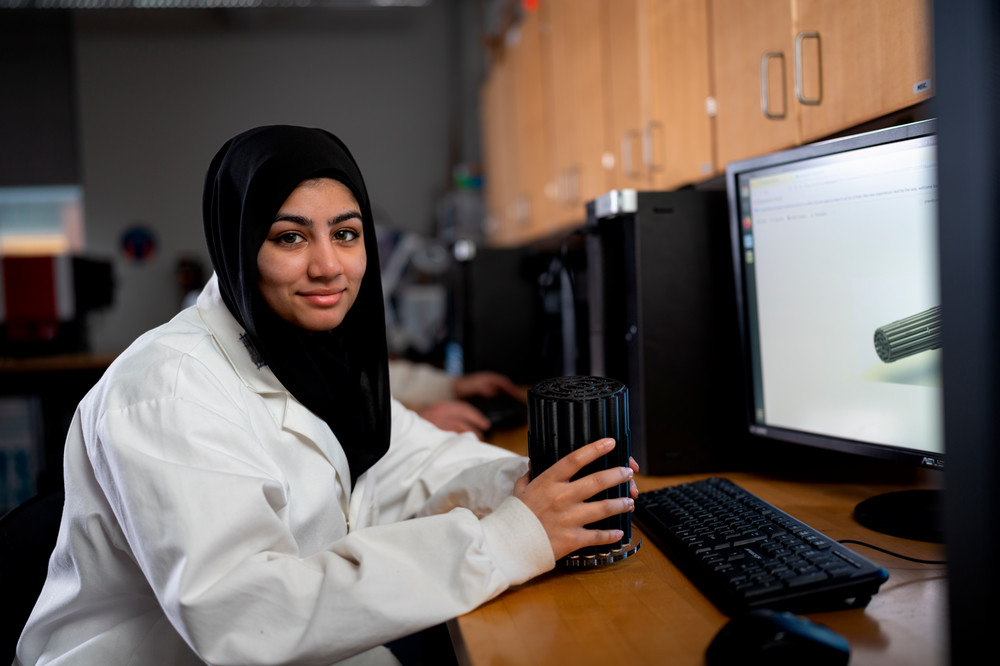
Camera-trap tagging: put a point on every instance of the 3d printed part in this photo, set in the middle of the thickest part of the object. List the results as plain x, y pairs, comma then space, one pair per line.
567, 413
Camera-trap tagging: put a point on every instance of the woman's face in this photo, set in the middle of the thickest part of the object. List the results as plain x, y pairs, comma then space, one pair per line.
313, 258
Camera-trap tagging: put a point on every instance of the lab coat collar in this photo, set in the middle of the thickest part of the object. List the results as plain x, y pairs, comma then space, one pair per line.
293, 416
234, 343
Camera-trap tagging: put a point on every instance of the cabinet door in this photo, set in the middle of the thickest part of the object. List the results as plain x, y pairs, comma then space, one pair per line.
496, 109
677, 135
855, 60
752, 50
531, 207
627, 93
576, 88
907, 52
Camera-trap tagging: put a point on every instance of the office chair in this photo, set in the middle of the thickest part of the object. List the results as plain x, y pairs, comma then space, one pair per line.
27, 536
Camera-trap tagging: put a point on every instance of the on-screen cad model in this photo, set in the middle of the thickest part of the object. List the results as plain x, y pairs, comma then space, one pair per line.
906, 337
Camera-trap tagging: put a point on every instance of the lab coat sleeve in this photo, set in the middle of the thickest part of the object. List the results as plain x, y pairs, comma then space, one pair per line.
419, 385
205, 514
428, 470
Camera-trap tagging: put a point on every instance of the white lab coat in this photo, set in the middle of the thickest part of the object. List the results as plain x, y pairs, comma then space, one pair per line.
418, 385
209, 518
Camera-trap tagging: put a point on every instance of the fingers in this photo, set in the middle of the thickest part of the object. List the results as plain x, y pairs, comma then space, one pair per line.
569, 465
587, 486
592, 512
594, 537
593, 484
566, 505
483, 383
582, 532
457, 416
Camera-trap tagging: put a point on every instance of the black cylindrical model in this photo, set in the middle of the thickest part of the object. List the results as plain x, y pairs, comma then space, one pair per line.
566, 413
909, 336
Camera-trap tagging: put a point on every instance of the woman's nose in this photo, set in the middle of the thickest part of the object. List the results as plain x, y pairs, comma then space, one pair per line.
324, 261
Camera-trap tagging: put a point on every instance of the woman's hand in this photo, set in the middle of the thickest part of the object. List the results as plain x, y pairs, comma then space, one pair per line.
560, 504
457, 416
632, 488
486, 384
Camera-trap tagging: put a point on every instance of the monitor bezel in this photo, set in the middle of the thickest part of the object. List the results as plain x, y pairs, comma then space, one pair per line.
800, 154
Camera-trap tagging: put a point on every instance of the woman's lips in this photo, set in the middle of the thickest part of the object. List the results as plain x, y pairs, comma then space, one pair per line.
322, 298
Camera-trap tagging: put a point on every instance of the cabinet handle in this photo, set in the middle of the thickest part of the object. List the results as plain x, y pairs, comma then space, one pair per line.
565, 187
765, 85
628, 163
799, 38
568, 186
648, 157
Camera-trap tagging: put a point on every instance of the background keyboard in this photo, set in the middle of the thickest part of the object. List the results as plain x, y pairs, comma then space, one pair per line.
744, 553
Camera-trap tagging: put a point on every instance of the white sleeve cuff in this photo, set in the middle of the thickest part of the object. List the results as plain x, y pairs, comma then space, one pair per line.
517, 542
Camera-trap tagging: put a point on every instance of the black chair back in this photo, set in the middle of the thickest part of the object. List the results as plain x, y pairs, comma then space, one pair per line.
27, 536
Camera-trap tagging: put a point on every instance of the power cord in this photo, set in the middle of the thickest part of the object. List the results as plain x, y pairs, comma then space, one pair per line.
889, 552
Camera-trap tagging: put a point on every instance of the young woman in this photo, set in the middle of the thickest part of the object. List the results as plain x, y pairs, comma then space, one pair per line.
240, 486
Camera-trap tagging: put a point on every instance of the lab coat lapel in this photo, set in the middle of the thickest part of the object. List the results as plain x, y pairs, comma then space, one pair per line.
284, 408
299, 420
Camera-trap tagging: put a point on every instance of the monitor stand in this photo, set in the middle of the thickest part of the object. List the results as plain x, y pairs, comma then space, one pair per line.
911, 514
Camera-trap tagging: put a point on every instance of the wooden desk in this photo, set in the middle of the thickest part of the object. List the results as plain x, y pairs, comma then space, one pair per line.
642, 610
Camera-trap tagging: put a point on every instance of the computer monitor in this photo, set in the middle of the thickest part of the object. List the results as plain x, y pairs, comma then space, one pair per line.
835, 250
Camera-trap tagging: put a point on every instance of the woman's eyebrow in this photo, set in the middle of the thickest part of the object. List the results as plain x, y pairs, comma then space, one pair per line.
345, 216
295, 219
306, 222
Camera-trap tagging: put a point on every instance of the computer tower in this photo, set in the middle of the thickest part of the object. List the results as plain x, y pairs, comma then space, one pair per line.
663, 321
512, 306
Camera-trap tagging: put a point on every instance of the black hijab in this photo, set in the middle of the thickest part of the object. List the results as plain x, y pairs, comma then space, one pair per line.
340, 375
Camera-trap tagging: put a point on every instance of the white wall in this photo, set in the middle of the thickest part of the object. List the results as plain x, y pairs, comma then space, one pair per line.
160, 91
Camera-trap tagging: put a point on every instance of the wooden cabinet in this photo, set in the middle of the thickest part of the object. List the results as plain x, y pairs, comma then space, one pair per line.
626, 95
875, 58
515, 128
792, 71
593, 95
679, 131
657, 89
496, 102
751, 49
576, 67
531, 207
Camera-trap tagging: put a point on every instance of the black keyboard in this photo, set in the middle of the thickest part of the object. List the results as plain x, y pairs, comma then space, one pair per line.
744, 553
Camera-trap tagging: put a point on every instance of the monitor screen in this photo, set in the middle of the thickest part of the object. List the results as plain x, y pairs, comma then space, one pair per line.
835, 246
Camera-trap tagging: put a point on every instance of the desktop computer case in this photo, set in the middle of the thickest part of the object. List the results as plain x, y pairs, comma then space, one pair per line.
663, 321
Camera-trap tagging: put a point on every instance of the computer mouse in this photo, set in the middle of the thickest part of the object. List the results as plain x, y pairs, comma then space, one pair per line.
776, 638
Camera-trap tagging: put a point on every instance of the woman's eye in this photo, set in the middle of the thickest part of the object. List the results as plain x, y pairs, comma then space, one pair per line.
345, 234
288, 238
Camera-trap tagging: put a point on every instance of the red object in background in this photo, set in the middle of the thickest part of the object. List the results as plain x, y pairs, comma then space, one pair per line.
529, 5
37, 295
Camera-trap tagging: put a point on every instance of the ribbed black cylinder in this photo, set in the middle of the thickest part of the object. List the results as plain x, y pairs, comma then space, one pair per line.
566, 413
906, 337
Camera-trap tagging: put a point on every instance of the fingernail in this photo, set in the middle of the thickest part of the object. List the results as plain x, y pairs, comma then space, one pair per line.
608, 444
